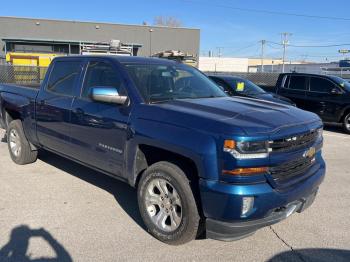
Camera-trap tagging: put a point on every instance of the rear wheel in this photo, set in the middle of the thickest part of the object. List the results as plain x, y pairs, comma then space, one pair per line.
167, 204
346, 123
18, 145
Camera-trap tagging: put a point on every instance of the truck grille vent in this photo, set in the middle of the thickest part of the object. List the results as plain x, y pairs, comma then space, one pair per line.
293, 143
291, 169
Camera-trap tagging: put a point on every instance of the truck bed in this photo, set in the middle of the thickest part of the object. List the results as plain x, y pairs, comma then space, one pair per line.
26, 91
16, 98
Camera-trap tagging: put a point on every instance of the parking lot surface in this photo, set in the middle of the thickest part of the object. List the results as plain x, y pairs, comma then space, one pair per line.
56, 209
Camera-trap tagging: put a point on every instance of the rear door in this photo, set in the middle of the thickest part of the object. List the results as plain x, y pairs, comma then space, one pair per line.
54, 102
320, 100
99, 130
294, 87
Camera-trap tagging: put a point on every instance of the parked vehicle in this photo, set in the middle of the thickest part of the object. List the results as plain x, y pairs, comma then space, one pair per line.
327, 96
237, 86
201, 161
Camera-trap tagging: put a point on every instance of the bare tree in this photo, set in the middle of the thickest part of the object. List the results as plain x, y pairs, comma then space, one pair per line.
169, 21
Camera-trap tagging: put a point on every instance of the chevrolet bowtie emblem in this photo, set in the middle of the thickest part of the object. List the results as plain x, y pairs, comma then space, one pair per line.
310, 153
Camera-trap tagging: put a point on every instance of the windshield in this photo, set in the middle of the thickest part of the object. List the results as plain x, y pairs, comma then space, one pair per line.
342, 82
243, 86
160, 83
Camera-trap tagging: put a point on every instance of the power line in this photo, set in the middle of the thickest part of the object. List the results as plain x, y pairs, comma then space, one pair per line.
273, 47
312, 46
236, 50
271, 12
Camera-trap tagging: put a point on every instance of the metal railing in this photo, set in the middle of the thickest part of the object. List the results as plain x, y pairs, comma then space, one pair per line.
22, 75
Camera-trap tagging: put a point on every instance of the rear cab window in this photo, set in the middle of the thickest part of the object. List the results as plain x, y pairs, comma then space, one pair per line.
63, 77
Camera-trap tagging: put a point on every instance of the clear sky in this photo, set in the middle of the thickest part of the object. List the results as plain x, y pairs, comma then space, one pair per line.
237, 31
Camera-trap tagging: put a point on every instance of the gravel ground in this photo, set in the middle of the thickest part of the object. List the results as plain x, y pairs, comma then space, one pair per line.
56, 210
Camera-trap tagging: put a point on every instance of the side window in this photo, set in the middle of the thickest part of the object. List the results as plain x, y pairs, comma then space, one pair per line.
63, 77
102, 74
285, 81
321, 85
297, 82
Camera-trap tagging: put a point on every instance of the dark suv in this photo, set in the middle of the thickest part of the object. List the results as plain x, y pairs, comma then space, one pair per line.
327, 96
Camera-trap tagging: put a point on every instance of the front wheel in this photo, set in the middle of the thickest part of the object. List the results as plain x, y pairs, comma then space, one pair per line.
167, 204
18, 145
346, 123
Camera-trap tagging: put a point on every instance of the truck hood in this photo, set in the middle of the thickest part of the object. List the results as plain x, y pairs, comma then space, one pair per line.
223, 114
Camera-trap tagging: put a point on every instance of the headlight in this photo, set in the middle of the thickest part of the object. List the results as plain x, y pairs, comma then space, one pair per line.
247, 149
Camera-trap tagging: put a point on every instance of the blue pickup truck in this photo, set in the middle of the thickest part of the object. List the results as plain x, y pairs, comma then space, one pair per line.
202, 162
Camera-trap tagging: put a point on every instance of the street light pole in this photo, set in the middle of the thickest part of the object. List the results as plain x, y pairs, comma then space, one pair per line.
150, 41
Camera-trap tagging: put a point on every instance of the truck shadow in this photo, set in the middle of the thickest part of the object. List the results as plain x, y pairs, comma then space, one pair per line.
16, 249
312, 255
124, 194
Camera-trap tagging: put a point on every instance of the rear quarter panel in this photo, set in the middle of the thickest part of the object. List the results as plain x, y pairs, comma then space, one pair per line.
20, 102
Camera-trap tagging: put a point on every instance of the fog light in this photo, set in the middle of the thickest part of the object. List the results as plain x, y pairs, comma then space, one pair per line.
247, 205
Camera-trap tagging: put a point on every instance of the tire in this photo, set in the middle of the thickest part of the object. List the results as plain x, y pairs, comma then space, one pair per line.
180, 223
346, 124
18, 145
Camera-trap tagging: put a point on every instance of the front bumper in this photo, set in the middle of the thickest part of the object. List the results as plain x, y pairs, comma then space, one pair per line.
233, 231
222, 204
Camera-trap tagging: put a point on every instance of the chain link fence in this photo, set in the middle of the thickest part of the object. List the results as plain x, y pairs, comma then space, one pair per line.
22, 75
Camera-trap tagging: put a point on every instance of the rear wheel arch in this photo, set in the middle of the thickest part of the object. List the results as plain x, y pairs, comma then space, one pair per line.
11, 115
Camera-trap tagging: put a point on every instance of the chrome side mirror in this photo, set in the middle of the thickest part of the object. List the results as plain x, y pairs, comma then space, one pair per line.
107, 95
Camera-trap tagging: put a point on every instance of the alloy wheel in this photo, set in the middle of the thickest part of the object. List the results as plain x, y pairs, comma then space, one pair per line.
163, 205
15, 143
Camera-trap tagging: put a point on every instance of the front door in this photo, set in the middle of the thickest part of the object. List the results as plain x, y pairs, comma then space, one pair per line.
320, 100
99, 130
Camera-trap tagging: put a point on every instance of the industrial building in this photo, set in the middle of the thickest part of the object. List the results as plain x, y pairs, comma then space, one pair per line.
234, 64
30, 38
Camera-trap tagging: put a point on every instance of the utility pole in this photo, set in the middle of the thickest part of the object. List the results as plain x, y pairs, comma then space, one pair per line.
219, 50
263, 42
285, 43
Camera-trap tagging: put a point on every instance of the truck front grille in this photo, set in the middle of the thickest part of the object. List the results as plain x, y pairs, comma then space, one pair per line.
293, 143
291, 169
